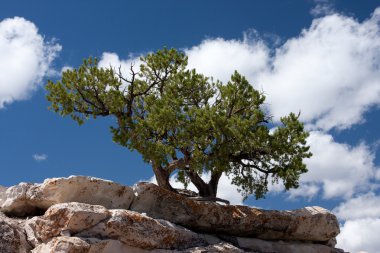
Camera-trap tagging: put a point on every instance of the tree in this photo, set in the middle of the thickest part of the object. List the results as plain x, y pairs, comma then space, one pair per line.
184, 123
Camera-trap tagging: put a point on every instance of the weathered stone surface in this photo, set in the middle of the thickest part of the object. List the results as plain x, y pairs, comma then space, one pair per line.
15, 200
12, 238
128, 227
63, 245
158, 222
114, 246
2, 194
307, 224
263, 246
30, 199
221, 247
66, 244
64, 219
135, 229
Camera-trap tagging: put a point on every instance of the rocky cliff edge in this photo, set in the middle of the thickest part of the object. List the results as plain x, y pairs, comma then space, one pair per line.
82, 214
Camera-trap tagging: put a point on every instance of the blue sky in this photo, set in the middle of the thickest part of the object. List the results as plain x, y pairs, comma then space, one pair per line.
321, 57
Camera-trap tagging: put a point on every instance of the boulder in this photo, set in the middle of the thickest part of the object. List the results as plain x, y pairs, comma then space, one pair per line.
307, 224
32, 199
12, 238
64, 219
15, 201
128, 227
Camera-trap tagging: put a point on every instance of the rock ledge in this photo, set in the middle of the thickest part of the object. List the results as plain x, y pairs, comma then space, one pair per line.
82, 214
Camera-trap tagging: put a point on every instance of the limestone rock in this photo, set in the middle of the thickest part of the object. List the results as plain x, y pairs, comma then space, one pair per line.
128, 227
134, 229
15, 200
65, 244
308, 224
263, 246
12, 238
31, 199
65, 219
221, 247
2, 194
89, 215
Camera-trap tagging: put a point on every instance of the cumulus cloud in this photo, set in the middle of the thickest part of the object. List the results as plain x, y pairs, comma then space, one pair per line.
360, 207
40, 157
219, 58
330, 71
362, 222
306, 190
339, 169
361, 235
25, 59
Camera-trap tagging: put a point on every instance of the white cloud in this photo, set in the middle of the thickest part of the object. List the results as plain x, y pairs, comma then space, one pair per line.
25, 59
360, 235
219, 58
340, 169
362, 226
330, 71
40, 157
306, 190
364, 206
336, 170
322, 8
112, 60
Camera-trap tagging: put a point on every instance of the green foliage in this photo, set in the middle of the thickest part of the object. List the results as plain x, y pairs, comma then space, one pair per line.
183, 121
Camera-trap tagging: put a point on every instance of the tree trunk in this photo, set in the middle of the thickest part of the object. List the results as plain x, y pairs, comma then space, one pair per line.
162, 177
206, 190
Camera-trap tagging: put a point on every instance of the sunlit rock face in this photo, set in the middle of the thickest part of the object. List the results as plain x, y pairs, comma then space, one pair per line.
307, 224
89, 215
28, 199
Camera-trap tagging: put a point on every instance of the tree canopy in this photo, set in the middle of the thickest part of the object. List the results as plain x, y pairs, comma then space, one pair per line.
187, 124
